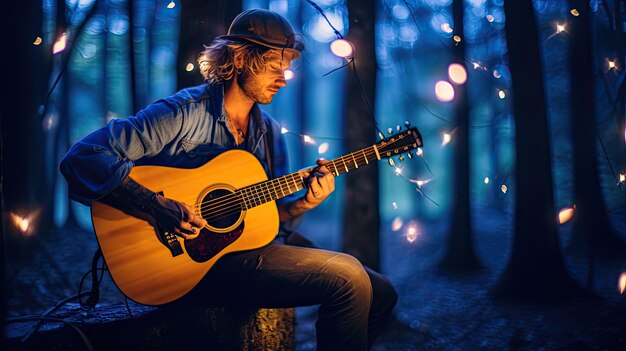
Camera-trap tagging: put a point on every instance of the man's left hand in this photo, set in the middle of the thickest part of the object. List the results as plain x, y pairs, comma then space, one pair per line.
320, 182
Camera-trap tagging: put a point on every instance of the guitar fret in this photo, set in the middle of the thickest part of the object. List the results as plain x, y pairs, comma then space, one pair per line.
344, 164
353, 159
281, 187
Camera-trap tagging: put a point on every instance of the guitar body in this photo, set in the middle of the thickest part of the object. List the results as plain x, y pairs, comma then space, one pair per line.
143, 267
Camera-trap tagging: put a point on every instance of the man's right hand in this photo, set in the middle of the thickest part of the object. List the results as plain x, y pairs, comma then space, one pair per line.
176, 217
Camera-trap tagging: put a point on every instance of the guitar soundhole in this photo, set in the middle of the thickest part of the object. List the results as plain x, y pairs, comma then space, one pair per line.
221, 208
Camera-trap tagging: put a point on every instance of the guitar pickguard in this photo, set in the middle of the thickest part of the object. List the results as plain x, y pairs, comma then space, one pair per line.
208, 244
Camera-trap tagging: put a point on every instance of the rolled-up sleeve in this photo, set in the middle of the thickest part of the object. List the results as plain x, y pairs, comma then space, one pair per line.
98, 163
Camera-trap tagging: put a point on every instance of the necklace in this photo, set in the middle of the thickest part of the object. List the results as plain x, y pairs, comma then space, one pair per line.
238, 133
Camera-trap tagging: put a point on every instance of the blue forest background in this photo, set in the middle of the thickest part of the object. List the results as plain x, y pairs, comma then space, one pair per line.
93, 60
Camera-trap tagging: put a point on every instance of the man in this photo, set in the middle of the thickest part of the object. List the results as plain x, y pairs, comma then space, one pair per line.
243, 69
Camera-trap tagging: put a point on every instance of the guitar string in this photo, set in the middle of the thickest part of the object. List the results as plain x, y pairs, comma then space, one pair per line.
231, 204
232, 196
264, 193
236, 206
259, 198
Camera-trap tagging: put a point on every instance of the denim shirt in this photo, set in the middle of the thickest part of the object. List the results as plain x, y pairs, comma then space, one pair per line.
185, 130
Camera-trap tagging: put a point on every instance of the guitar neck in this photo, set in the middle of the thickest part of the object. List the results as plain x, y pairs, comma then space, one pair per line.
274, 189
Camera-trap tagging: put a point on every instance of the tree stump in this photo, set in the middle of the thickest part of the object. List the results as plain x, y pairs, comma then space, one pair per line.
163, 328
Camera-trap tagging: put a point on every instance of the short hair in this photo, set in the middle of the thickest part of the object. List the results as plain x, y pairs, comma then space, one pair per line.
217, 61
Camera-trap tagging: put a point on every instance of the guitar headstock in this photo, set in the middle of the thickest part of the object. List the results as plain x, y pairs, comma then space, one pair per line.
398, 143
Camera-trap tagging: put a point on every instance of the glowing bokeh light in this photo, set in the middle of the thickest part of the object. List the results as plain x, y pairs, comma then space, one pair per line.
476, 65
171, 5
622, 177
566, 214
612, 64
398, 171
394, 205
486, 180
419, 152
490, 18
189, 67
560, 28
457, 38
574, 12
504, 188
496, 74
289, 74
308, 140
37, 41
284, 130
501, 94
446, 138
59, 45
341, 48
444, 91
445, 27
412, 231
323, 148
396, 224
621, 285
457, 73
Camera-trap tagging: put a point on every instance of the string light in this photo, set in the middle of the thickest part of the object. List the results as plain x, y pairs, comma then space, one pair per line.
419, 152
284, 130
189, 67
445, 27
37, 41
341, 48
566, 214
612, 64
322, 148
289, 74
171, 5
412, 231
457, 39
444, 91
486, 180
457, 73
574, 12
398, 171
24, 224
621, 285
394, 205
446, 138
308, 140
396, 224
504, 188
501, 94
496, 74
622, 177
59, 44
560, 28
490, 18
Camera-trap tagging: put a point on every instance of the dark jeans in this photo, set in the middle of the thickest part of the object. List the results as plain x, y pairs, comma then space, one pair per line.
355, 302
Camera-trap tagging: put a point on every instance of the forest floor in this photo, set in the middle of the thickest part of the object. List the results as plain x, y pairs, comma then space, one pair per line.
434, 312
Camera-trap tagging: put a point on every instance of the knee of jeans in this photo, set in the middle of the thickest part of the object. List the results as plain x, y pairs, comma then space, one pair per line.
354, 277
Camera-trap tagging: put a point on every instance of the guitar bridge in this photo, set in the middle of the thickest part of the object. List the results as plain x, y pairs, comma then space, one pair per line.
171, 242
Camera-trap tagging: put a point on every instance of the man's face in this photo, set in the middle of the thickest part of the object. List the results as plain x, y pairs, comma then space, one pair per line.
262, 86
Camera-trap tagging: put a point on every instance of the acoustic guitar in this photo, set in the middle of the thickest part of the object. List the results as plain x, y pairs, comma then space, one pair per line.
232, 193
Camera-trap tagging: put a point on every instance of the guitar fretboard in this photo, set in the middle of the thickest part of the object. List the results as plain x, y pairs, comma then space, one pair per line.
274, 189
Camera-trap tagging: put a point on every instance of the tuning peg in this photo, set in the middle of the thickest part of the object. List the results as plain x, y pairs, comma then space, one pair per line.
390, 131
391, 163
409, 154
401, 158
398, 128
381, 135
407, 124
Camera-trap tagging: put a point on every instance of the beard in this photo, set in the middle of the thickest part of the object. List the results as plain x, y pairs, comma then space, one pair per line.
251, 86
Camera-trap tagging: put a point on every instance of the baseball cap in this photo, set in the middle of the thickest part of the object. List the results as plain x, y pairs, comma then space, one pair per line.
265, 28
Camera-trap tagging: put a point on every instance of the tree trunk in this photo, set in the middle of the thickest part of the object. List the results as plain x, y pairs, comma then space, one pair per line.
459, 255
200, 22
535, 270
591, 223
361, 217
